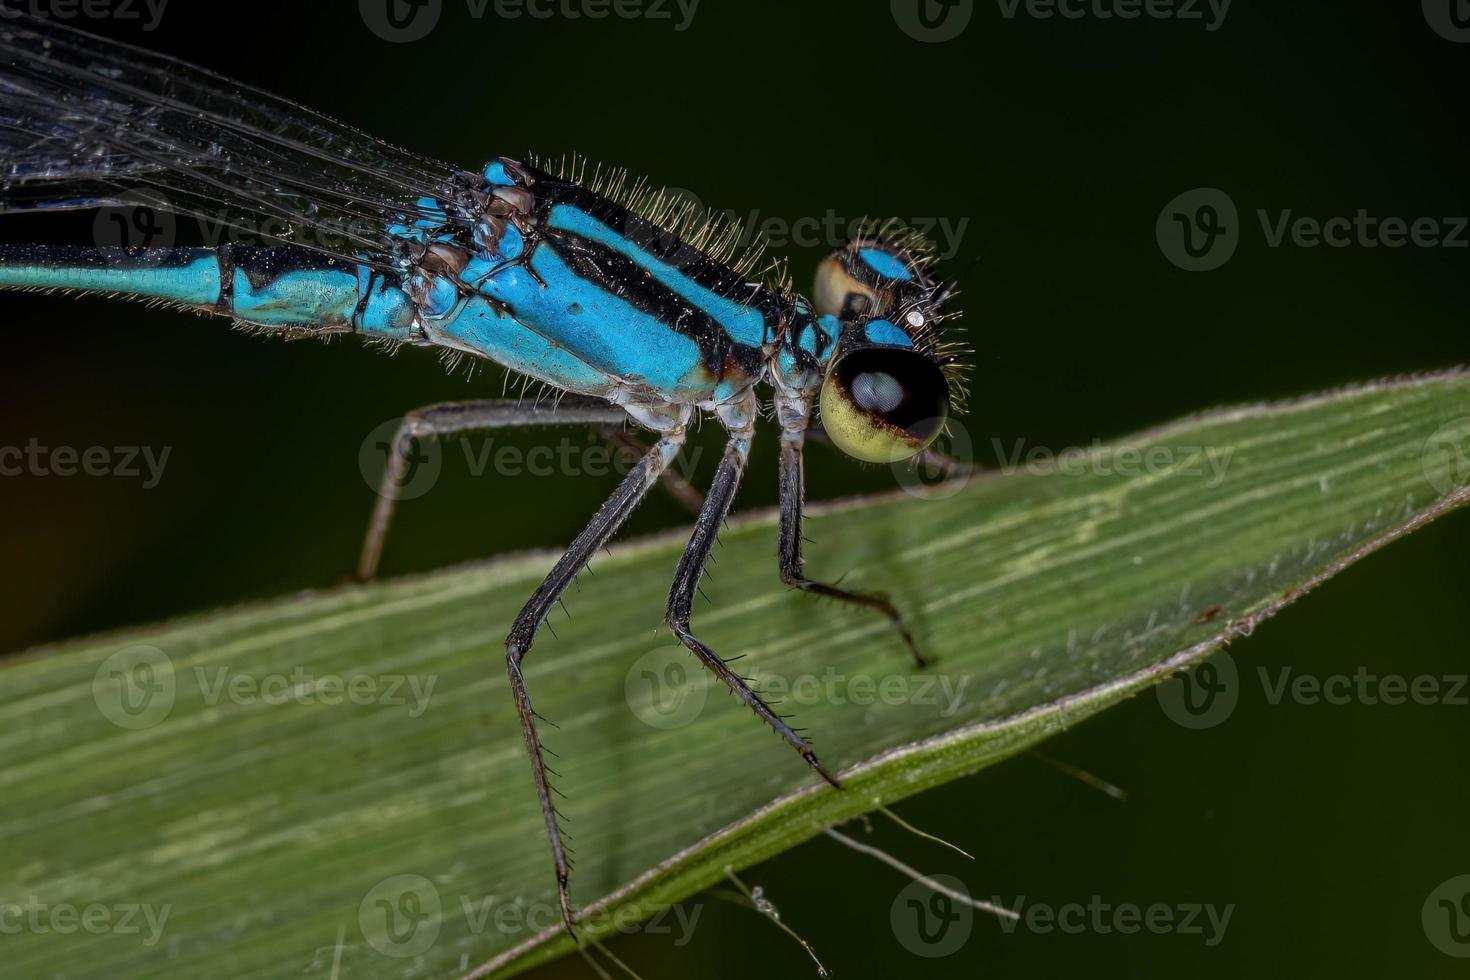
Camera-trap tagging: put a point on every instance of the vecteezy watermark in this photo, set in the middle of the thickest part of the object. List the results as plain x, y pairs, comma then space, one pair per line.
1101, 917
1450, 19
1445, 457
144, 463
934, 21
148, 13
946, 470
404, 21
136, 227
402, 916
833, 230
1208, 463
740, 231
1362, 230
930, 923
1199, 230
1206, 695
1446, 917
1203, 696
138, 686
93, 918
301, 686
423, 459
139, 227
1364, 687
667, 688
135, 687
1210, 13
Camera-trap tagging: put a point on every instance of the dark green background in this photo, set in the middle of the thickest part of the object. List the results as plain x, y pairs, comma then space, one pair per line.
1060, 141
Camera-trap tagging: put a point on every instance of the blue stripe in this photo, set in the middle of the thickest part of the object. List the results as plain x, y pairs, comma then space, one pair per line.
743, 323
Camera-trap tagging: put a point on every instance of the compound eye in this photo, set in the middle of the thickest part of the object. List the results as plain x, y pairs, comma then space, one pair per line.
884, 404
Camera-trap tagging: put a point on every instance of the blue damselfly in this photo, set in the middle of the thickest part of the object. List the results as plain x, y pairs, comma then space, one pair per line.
609, 293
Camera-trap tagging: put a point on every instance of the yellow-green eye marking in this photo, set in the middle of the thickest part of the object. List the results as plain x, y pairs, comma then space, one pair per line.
884, 404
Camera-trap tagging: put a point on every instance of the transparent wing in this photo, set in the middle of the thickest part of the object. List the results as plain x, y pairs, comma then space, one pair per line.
83, 120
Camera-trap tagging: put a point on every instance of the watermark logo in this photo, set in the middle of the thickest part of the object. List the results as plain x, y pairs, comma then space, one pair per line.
135, 687
935, 475
401, 21
737, 232
666, 688
1446, 457
136, 227
1199, 229
675, 207
929, 923
401, 916
943, 473
1450, 19
1446, 917
932, 21
413, 463
1204, 695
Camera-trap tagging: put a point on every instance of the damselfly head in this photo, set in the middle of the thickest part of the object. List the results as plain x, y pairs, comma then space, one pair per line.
887, 391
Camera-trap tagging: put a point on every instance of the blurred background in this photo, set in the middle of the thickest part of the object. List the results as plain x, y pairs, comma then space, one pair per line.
1049, 156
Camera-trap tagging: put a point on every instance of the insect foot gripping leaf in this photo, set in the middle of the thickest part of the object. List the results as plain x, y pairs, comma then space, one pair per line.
375, 811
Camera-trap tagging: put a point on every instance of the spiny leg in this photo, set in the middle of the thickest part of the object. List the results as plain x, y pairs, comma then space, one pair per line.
523, 632
793, 492
686, 585
449, 418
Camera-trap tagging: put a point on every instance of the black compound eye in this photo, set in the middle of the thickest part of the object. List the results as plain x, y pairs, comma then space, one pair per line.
884, 404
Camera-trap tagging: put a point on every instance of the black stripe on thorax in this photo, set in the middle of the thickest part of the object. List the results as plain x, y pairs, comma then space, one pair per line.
623, 277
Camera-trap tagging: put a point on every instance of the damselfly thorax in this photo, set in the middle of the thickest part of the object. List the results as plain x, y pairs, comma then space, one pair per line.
615, 298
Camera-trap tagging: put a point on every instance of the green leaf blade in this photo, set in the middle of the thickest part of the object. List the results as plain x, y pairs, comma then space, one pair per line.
264, 818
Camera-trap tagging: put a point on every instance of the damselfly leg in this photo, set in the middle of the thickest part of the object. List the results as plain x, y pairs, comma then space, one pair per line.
793, 493
686, 586
523, 633
457, 418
